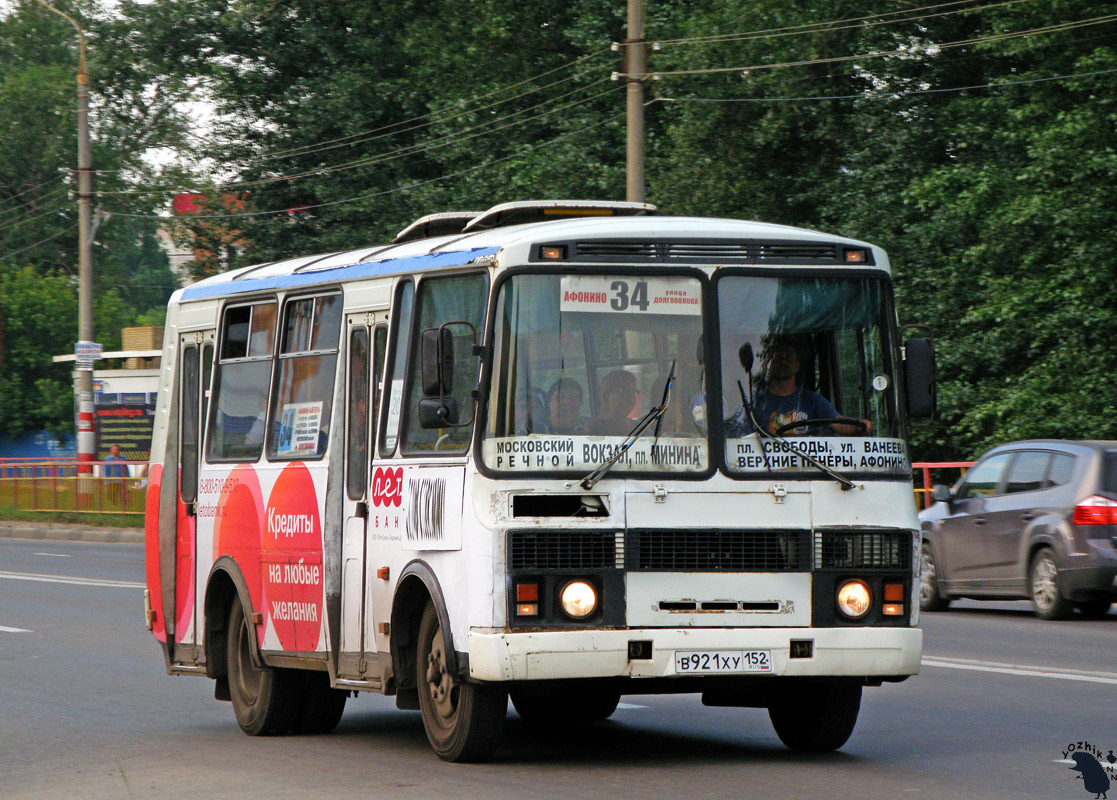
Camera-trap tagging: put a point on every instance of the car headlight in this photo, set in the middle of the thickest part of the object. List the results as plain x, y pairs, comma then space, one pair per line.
854, 599
578, 599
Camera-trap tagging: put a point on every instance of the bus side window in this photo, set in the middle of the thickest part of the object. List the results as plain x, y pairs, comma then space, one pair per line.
442, 300
304, 383
397, 367
241, 379
188, 431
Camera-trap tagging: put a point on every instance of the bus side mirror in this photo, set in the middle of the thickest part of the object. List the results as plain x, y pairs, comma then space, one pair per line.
919, 378
437, 361
438, 412
746, 357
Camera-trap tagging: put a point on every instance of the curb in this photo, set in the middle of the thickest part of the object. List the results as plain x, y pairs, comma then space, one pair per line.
70, 533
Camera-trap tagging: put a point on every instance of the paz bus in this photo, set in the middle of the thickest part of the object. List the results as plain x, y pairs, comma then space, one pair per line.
516, 454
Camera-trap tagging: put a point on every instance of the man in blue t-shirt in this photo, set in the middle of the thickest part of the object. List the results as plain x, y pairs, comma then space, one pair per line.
783, 401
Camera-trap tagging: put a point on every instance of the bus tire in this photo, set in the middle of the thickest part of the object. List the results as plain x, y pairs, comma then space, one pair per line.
321, 706
463, 721
265, 700
816, 718
572, 707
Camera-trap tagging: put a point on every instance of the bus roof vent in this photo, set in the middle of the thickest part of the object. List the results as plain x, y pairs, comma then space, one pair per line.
798, 253
445, 223
544, 210
705, 251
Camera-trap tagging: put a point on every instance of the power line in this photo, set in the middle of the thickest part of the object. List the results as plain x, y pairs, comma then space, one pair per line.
355, 138
933, 46
15, 197
40, 242
841, 24
445, 141
408, 187
21, 221
883, 95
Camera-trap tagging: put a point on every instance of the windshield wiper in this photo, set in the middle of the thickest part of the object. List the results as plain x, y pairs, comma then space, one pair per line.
655, 414
845, 482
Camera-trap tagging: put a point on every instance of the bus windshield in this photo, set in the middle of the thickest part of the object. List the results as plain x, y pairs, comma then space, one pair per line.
579, 359
823, 374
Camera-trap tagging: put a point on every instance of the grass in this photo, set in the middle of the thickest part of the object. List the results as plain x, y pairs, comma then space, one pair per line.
100, 520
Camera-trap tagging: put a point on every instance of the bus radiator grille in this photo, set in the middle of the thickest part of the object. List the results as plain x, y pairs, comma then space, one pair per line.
539, 550
719, 550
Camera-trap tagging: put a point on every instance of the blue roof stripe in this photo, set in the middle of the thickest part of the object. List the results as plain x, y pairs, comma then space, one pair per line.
368, 269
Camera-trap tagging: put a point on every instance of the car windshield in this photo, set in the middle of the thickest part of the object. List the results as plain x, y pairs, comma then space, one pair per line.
819, 354
579, 359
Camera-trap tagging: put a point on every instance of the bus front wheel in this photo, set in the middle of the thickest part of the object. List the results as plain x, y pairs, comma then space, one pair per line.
463, 720
816, 718
265, 700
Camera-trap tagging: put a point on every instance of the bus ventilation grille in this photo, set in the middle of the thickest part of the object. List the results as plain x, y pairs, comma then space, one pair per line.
709, 251
538, 550
719, 550
863, 550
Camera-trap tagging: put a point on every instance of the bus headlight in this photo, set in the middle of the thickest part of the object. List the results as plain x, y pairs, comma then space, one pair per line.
578, 599
854, 599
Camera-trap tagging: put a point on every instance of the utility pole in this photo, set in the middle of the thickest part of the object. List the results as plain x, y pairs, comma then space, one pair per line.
86, 436
635, 60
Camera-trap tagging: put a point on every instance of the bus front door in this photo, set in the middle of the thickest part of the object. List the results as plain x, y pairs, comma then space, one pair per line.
364, 357
196, 365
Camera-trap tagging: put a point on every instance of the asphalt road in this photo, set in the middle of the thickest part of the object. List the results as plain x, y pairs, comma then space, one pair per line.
86, 710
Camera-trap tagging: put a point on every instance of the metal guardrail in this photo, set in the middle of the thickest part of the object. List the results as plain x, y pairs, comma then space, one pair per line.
924, 472
56, 485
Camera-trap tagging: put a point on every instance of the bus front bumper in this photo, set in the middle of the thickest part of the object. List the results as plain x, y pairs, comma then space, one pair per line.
496, 655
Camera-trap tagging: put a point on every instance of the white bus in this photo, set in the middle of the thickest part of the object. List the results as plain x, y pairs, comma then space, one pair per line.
556, 451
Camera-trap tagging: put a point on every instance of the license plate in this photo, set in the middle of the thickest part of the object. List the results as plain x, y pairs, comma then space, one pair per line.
706, 662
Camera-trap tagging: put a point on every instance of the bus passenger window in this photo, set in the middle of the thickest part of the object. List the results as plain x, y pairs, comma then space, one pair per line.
240, 385
305, 379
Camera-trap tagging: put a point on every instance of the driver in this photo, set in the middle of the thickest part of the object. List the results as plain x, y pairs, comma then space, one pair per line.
783, 401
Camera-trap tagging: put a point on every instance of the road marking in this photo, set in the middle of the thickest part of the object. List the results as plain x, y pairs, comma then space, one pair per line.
6, 629
53, 555
1024, 670
628, 706
31, 576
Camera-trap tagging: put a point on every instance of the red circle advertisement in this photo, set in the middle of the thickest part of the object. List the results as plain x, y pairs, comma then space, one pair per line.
237, 524
292, 559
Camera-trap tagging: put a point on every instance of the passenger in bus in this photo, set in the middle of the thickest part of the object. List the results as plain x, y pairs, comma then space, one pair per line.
564, 407
782, 400
616, 398
530, 415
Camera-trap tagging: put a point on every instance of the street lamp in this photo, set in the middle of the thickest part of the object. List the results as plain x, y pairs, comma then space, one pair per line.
86, 437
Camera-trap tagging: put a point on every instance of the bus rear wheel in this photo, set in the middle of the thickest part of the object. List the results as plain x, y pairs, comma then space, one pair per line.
816, 718
320, 707
463, 721
571, 707
265, 700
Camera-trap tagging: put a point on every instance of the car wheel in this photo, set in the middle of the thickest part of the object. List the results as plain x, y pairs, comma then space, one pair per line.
1043, 585
265, 700
565, 708
816, 718
930, 598
463, 721
1094, 609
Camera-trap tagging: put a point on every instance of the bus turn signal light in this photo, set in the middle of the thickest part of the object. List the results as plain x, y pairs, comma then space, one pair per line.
527, 592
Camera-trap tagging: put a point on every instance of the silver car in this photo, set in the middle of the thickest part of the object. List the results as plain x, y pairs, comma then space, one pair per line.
1034, 520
